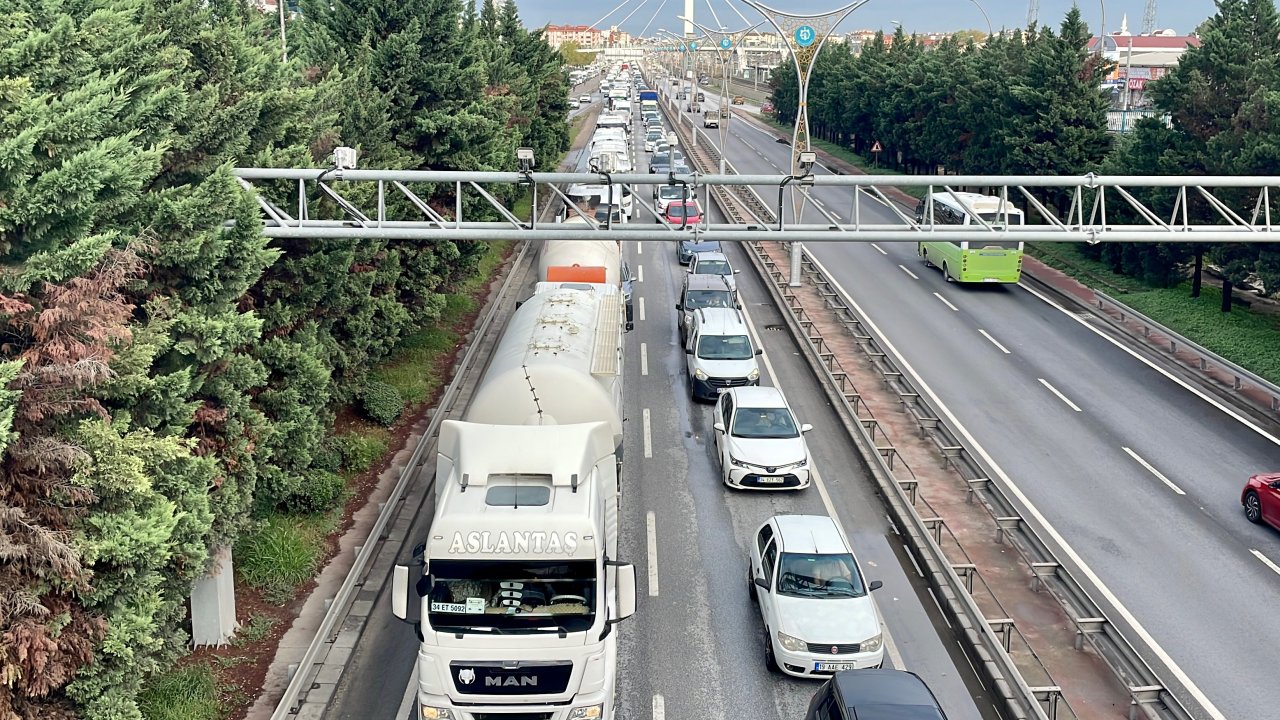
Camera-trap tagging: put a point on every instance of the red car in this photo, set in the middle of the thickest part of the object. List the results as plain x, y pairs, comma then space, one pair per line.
1261, 499
683, 212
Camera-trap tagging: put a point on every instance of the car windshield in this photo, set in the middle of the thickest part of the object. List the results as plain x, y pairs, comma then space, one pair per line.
819, 576
654, 135
512, 596
712, 267
677, 210
725, 347
660, 159
672, 192
697, 299
764, 423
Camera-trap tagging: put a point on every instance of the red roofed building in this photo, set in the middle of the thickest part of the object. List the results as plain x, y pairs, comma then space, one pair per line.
581, 35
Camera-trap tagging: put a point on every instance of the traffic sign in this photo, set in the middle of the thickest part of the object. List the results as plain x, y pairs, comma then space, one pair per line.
805, 36
725, 43
875, 148
693, 46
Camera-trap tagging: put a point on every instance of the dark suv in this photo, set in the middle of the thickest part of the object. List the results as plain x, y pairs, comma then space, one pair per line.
874, 693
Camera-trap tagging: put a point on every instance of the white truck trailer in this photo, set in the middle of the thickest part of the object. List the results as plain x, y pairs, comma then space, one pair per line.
516, 591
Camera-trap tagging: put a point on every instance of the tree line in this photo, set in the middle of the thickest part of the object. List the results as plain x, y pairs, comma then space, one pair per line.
1030, 103
165, 378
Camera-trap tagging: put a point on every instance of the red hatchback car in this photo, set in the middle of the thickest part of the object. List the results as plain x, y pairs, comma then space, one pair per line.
683, 212
1261, 499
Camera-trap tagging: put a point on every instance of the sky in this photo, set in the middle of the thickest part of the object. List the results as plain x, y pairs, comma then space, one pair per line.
915, 15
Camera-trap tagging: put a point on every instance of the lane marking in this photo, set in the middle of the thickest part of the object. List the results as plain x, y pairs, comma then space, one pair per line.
659, 708
410, 695
995, 342
644, 358
946, 302
1035, 514
879, 249
642, 308
905, 270
639, 247
891, 648
648, 440
1061, 397
1182, 383
818, 202
639, 273
1266, 560
1154, 471
651, 533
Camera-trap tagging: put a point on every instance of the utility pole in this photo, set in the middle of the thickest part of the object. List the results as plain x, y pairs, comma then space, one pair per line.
1033, 12
804, 36
724, 44
1149, 18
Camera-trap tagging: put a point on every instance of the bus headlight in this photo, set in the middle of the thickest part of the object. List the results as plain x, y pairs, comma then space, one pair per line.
587, 712
436, 713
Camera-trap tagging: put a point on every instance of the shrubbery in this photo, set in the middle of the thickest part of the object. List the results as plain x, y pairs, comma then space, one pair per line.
381, 402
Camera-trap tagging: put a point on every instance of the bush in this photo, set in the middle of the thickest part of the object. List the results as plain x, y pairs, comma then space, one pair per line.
382, 402
278, 556
328, 456
318, 491
359, 452
188, 693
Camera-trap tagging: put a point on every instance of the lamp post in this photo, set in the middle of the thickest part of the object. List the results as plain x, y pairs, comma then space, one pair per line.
990, 31
724, 43
804, 36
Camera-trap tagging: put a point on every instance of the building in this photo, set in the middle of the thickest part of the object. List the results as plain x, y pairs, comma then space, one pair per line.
1139, 59
580, 35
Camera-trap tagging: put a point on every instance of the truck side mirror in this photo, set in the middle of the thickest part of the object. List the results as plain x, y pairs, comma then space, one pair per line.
405, 601
626, 591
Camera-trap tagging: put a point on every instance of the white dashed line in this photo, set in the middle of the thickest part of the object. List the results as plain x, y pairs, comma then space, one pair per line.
905, 270
1061, 397
648, 437
1154, 471
639, 273
659, 708
644, 358
995, 342
639, 247
651, 531
642, 309
946, 302
1267, 561
879, 249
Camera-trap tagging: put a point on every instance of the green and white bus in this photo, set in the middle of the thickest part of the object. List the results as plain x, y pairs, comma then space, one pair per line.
992, 261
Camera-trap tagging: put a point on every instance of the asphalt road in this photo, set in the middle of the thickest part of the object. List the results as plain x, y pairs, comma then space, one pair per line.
1138, 476
695, 647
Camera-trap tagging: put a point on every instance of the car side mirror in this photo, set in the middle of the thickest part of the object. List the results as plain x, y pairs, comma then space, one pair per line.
806, 428
680, 306
737, 272
718, 426
688, 351
875, 585
761, 583
759, 351
1275, 485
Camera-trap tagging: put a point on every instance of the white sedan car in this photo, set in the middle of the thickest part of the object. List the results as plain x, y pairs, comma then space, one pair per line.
585, 100
819, 618
758, 441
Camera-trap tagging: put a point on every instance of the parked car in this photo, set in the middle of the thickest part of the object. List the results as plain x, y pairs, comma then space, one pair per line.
814, 599
761, 446
1261, 499
767, 107
739, 100
854, 694
683, 214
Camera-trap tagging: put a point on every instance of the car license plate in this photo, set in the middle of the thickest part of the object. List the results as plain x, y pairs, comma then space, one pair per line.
771, 480
834, 667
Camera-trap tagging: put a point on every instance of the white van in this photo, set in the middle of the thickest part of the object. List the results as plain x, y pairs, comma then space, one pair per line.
719, 353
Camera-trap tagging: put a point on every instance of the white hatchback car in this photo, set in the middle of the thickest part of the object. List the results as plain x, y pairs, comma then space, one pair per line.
758, 441
819, 618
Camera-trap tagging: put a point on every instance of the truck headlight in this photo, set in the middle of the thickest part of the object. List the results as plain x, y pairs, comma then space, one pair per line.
791, 643
754, 375
587, 712
697, 372
871, 644
436, 713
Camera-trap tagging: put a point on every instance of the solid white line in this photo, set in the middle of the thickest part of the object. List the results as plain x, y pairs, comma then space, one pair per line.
905, 270
1154, 471
644, 358
651, 533
1061, 397
995, 342
648, 441
946, 302
639, 273
879, 249
1036, 515
659, 708
1275, 568
410, 695
1198, 393
642, 308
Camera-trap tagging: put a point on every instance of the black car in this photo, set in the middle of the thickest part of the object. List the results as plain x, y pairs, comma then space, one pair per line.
874, 693
660, 162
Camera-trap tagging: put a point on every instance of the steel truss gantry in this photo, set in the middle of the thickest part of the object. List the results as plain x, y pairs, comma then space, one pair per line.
1089, 208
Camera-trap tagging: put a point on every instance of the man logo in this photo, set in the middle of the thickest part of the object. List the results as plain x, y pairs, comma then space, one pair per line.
512, 681
466, 676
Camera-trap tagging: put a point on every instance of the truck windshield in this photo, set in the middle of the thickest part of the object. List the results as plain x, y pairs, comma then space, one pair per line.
725, 347
512, 596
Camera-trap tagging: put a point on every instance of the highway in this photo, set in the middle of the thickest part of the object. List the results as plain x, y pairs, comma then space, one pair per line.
695, 647
1137, 475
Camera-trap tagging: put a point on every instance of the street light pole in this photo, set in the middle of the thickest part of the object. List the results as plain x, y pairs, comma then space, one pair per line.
990, 30
284, 46
724, 43
804, 36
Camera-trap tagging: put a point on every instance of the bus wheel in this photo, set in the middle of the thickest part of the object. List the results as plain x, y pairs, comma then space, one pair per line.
946, 273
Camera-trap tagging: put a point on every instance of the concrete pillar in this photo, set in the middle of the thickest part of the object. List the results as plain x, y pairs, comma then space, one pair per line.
213, 603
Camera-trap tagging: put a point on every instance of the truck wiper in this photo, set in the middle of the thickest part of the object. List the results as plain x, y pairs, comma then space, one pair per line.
459, 630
